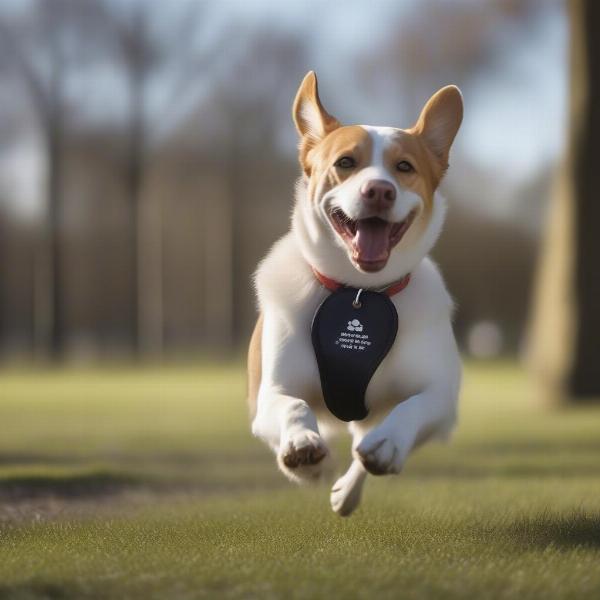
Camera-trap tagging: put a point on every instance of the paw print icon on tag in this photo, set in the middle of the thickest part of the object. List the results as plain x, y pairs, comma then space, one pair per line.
355, 325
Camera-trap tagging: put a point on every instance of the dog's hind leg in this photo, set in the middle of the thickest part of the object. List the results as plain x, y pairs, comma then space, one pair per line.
347, 490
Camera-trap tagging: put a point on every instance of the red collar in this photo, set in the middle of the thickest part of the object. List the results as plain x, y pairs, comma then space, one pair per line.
332, 285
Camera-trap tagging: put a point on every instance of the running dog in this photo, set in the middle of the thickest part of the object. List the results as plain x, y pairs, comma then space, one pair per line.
366, 214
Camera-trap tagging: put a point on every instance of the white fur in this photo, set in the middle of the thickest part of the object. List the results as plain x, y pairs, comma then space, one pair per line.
311, 117
413, 394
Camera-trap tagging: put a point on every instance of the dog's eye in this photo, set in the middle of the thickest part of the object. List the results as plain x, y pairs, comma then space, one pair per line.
346, 162
405, 167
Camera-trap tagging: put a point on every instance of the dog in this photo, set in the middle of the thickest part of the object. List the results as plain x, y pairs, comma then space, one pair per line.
367, 212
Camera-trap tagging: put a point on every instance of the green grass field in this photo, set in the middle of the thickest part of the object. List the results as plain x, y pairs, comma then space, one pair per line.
147, 484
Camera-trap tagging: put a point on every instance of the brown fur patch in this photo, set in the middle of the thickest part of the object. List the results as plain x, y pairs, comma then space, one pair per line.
424, 180
255, 365
352, 141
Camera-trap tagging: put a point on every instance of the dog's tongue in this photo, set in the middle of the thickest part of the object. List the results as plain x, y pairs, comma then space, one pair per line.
371, 241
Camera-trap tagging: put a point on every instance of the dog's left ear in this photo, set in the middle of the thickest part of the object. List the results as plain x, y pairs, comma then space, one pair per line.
312, 121
439, 121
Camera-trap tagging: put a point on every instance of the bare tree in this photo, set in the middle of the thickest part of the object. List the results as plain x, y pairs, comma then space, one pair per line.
465, 47
176, 61
41, 50
565, 335
272, 64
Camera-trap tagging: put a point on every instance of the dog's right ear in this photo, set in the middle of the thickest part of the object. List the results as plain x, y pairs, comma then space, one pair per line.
312, 121
439, 121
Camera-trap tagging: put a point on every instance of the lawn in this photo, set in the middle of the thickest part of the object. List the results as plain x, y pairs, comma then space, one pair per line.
122, 483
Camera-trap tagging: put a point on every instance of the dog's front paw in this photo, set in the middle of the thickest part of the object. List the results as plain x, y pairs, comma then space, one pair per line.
303, 448
302, 454
380, 453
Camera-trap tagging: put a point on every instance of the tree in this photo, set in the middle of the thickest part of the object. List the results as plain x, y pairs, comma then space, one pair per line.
172, 60
41, 49
565, 331
254, 113
3, 229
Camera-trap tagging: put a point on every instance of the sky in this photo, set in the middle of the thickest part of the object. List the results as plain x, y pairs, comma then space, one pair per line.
518, 111
515, 107
515, 110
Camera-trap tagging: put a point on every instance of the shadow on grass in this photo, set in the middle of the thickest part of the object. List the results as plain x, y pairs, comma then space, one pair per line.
562, 531
42, 590
33, 591
72, 485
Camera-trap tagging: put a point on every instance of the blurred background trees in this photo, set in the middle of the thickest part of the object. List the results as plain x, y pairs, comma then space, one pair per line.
147, 157
566, 324
42, 49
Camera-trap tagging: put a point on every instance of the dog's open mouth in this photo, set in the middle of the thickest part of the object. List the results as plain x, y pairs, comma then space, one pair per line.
370, 240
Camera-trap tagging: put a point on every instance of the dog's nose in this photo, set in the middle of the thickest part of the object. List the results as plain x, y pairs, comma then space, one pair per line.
378, 193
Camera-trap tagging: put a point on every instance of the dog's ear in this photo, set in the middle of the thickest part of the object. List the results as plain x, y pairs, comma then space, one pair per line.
312, 121
439, 121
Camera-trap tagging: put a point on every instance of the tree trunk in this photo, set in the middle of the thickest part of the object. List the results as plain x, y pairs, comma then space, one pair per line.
134, 192
3, 273
217, 263
565, 340
55, 218
50, 318
235, 189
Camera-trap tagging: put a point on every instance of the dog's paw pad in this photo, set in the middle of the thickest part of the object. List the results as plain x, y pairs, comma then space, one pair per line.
380, 455
303, 449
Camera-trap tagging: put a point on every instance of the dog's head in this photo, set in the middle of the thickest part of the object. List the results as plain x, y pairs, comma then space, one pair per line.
371, 189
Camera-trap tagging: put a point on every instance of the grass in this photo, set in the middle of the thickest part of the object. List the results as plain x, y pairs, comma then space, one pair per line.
147, 484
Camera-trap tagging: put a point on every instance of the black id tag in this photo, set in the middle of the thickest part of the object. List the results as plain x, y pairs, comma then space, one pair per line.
350, 341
